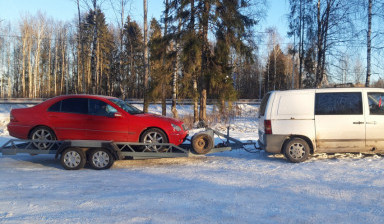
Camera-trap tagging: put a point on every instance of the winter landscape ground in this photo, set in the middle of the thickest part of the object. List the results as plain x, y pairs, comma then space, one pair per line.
229, 187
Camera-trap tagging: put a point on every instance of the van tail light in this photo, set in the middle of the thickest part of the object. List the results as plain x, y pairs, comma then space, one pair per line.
268, 127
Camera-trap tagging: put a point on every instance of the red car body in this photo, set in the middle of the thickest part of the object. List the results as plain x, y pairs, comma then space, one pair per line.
78, 123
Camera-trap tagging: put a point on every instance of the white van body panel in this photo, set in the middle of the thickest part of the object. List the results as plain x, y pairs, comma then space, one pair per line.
292, 113
294, 109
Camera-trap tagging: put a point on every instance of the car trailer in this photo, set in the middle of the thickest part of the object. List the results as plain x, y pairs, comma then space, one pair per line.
74, 154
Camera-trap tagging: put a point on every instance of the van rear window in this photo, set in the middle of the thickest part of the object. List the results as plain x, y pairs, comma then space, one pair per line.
338, 103
263, 104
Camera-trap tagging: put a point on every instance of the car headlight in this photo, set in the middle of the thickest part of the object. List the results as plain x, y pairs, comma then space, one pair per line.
176, 127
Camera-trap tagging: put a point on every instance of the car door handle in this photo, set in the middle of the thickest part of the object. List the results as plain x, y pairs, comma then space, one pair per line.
52, 116
358, 122
372, 122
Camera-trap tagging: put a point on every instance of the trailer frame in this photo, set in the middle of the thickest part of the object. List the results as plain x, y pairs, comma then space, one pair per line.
80, 150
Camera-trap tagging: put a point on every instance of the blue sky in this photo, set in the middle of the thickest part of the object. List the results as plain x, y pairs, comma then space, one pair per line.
65, 10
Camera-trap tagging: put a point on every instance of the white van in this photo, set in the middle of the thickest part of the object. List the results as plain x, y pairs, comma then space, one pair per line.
298, 123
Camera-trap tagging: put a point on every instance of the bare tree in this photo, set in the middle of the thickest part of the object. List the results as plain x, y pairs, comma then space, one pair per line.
145, 58
369, 31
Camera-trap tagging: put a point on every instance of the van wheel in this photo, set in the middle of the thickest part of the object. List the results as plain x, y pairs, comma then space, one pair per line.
296, 150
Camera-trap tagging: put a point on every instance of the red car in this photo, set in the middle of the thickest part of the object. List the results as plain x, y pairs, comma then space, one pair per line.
89, 117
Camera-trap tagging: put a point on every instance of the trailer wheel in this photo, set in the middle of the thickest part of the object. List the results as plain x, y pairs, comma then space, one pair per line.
296, 150
202, 143
73, 159
100, 159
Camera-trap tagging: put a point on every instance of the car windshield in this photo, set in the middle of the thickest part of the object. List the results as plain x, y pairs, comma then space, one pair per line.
126, 106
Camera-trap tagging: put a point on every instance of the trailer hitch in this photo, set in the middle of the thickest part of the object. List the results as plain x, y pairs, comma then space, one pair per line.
235, 143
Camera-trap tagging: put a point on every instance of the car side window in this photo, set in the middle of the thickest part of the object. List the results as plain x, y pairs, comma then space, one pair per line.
75, 105
55, 107
375, 101
100, 108
348, 103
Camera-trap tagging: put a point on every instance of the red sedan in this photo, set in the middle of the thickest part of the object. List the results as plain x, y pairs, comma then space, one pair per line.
89, 117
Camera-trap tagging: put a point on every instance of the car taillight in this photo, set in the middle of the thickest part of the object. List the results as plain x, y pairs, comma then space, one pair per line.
268, 127
12, 118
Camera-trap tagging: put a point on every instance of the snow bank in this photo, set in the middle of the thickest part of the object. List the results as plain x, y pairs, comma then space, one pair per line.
228, 187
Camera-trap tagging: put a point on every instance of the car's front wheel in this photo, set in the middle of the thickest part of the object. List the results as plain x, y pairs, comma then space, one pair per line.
153, 136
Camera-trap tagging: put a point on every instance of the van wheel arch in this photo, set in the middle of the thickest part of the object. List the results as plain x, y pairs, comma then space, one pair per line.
309, 142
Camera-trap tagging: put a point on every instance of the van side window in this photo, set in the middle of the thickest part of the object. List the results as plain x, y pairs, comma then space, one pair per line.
263, 104
338, 103
375, 101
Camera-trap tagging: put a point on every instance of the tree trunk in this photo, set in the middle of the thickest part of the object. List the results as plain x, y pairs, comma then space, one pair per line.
48, 88
164, 80
204, 61
30, 77
56, 66
319, 74
367, 80
62, 66
23, 66
146, 73
94, 49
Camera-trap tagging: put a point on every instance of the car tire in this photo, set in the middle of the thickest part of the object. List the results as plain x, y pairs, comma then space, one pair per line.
296, 150
100, 159
154, 135
202, 143
42, 133
73, 159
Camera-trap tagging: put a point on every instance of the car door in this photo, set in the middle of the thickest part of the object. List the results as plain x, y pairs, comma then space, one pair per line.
102, 124
67, 118
375, 122
339, 122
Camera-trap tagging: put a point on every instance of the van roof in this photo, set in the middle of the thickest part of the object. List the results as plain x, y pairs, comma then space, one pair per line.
343, 89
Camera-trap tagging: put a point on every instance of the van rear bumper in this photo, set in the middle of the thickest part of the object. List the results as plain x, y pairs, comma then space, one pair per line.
272, 143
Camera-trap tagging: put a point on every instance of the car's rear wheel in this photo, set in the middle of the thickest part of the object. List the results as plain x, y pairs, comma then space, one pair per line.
73, 159
296, 150
100, 159
153, 136
42, 134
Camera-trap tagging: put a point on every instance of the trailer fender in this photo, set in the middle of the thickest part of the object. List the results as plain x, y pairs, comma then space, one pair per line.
62, 147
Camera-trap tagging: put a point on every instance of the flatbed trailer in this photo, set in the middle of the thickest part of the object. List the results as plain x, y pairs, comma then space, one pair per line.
74, 154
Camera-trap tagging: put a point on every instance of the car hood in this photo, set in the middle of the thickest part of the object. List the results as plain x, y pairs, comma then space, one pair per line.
159, 118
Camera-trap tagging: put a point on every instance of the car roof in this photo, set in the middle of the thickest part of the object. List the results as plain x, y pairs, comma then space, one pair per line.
82, 96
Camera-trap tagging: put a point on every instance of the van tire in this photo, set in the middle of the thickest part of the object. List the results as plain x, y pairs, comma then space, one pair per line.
296, 150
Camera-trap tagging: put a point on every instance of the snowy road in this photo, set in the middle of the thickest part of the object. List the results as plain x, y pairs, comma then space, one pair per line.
229, 187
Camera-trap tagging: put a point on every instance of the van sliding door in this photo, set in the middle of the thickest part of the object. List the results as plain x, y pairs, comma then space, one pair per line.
340, 122
375, 122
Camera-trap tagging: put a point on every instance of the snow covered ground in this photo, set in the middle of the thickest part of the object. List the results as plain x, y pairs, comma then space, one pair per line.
228, 187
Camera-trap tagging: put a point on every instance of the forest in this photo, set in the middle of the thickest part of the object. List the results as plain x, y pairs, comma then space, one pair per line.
198, 50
